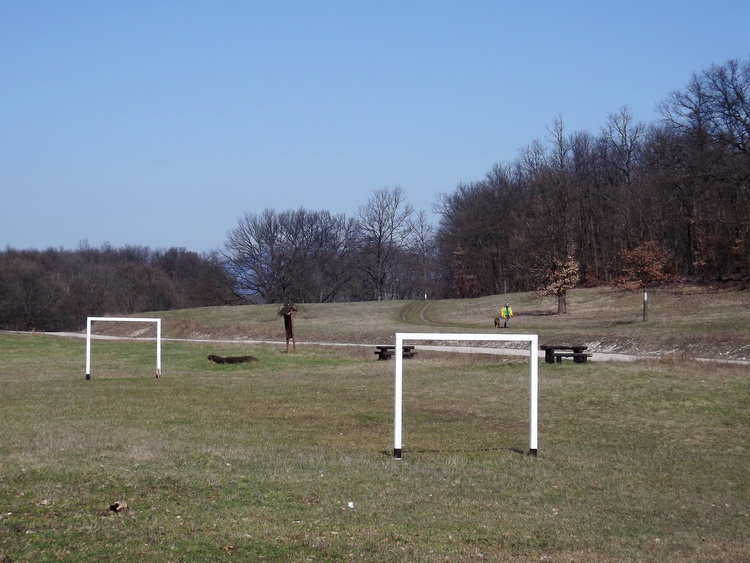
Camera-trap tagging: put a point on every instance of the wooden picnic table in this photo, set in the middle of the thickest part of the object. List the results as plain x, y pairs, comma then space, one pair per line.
387, 351
552, 353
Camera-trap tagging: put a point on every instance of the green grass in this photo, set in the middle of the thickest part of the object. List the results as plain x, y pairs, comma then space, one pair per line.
643, 461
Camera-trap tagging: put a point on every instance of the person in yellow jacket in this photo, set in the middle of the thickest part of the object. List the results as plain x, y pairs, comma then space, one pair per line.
506, 313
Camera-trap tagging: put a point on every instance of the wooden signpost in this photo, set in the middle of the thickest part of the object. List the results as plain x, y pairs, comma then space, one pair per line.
287, 311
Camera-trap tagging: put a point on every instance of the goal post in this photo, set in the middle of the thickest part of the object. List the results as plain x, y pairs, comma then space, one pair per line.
90, 320
533, 341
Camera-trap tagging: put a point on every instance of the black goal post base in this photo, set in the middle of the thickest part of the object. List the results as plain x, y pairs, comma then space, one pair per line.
397, 453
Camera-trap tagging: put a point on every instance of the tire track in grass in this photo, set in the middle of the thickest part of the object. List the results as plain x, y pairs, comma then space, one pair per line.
415, 312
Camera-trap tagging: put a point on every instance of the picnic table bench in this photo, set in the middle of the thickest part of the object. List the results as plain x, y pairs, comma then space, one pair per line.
387, 351
551, 354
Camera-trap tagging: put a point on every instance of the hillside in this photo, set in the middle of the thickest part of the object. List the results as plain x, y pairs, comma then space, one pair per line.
291, 458
683, 321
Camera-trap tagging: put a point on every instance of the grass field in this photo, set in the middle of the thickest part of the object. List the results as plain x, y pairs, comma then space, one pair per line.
289, 459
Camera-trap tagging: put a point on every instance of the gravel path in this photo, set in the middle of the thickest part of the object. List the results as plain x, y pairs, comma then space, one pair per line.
596, 356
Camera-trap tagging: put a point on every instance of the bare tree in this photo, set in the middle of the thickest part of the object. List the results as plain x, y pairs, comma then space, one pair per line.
717, 102
336, 255
624, 139
422, 247
711, 174
251, 255
385, 225
293, 256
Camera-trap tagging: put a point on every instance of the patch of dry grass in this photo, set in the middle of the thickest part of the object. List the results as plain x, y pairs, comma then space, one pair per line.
289, 459
683, 321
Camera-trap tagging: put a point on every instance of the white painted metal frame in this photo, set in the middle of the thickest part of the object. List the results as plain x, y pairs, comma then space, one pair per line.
89, 320
533, 341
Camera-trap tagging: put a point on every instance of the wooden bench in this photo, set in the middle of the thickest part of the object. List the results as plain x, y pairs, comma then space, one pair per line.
579, 358
387, 351
551, 354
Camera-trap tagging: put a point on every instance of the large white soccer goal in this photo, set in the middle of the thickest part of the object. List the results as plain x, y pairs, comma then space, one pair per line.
90, 320
533, 341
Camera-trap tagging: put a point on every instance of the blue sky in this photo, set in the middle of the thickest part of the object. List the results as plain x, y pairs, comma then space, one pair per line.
161, 123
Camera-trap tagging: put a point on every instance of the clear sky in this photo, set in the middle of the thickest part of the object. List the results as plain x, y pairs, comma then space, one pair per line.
161, 123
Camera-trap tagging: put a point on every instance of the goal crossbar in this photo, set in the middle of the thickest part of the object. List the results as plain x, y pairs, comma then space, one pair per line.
90, 320
533, 341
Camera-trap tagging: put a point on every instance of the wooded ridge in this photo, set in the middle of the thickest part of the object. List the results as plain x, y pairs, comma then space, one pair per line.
636, 204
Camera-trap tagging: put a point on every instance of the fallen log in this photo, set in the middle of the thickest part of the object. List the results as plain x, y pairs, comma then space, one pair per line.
232, 359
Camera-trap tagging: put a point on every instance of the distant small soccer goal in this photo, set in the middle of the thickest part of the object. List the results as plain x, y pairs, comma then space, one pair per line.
533, 341
90, 320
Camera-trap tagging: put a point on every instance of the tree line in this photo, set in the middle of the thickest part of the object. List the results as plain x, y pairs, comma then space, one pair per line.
386, 251
634, 204
56, 290
580, 208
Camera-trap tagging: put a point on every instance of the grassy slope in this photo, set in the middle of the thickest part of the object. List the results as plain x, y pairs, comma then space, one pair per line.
643, 461
693, 322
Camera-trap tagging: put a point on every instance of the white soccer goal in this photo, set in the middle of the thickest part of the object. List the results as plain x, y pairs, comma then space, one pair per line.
89, 320
533, 341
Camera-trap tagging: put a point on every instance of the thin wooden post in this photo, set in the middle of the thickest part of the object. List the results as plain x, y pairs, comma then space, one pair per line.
288, 313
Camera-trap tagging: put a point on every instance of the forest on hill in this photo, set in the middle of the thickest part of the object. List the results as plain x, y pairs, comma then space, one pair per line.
55, 289
635, 203
581, 208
